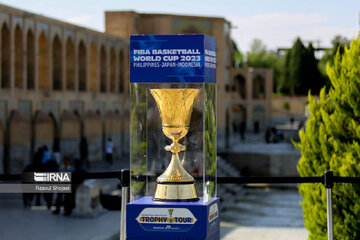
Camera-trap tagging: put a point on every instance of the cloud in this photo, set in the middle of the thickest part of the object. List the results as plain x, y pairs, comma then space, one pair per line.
281, 29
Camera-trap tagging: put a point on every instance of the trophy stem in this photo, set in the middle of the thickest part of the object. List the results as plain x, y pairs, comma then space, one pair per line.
175, 147
175, 172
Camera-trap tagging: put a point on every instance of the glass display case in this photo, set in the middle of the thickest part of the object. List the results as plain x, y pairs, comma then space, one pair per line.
173, 117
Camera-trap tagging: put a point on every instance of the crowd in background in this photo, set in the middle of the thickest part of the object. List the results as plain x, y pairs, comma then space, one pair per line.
45, 160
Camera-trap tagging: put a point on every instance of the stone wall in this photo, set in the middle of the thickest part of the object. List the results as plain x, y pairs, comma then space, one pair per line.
283, 108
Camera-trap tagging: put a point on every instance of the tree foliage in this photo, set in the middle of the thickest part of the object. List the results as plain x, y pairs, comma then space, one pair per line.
300, 73
338, 45
260, 57
295, 72
238, 56
331, 142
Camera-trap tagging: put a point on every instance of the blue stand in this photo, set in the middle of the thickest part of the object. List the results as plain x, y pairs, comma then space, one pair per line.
148, 219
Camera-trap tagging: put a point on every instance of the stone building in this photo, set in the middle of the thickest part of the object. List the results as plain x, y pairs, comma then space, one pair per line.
251, 98
59, 82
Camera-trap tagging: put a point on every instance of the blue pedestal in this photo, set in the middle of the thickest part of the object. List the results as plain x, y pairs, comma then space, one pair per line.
148, 219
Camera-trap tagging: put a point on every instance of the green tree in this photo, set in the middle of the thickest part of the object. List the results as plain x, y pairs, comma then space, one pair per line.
331, 142
283, 85
314, 80
238, 56
260, 57
300, 73
297, 68
338, 44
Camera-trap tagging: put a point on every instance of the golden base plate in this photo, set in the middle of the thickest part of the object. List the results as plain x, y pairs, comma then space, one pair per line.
176, 192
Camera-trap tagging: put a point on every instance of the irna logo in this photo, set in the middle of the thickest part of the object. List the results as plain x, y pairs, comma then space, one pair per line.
52, 177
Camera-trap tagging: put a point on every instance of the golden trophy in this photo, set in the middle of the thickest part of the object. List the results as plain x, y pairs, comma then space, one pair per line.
175, 107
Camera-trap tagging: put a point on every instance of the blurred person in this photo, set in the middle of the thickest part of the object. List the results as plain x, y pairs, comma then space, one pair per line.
84, 152
256, 127
109, 148
60, 198
55, 155
301, 124
45, 154
50, 166
28, 197
268, 135
77, 179
242, 130
38, 166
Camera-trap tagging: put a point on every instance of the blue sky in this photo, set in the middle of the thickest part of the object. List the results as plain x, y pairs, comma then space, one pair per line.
276, 22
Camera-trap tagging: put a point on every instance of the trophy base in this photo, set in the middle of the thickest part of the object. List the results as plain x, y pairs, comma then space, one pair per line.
175, 192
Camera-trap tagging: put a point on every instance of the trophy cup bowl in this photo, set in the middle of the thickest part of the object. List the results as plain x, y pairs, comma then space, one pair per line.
175, 107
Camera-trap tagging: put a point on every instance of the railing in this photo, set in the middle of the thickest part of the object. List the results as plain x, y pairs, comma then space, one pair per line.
328, 180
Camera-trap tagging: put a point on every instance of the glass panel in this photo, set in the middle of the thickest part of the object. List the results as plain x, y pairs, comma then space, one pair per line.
148, 156
138, 132
210, 142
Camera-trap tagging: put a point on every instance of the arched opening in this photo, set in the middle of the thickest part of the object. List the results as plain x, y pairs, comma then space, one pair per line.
18, 57
70, 134
259, 118
19, 143
240, 86
30, 58
93, 68
112, 70
93, 132
57, 64
43, 63
239, 120
5, 56
70, 64
82, 66
103, 69
78, 116
45, 130
1, 149
113, 131
121, 71
259, 87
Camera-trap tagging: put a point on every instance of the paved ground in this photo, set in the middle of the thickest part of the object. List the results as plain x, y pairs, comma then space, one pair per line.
254, 214
264, 214
235, 232
265, 207
39, 224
